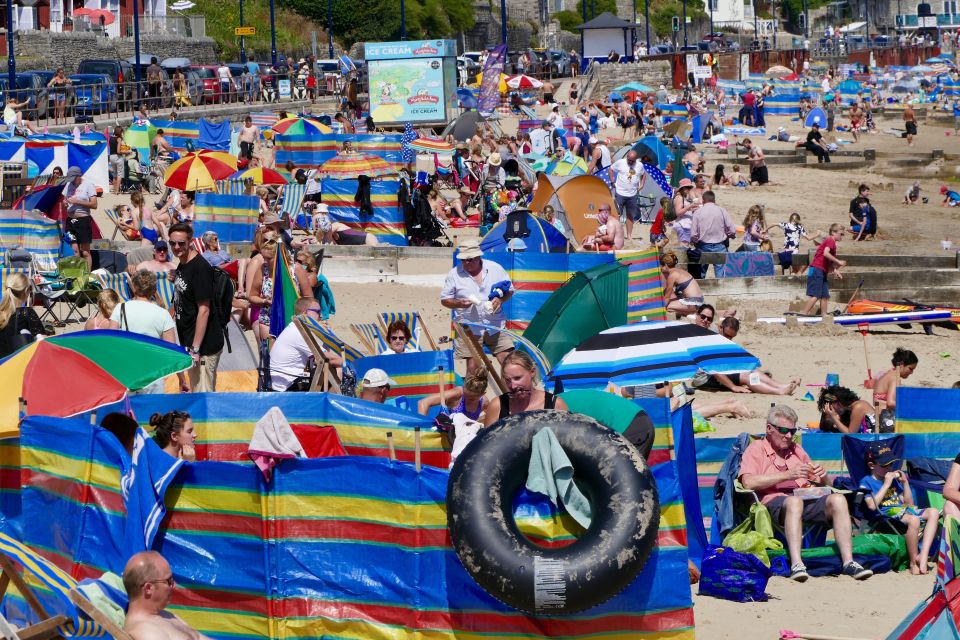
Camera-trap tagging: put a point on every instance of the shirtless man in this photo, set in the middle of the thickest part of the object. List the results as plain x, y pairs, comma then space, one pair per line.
910, 122
248, 137
548, 91
149, 582
856, 120
160, 144
609, 234
160, 263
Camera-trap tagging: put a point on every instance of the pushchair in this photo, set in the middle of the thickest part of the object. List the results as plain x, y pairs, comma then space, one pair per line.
423, 229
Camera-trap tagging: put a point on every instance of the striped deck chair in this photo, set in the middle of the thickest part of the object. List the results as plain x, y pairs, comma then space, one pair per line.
293, 195
418, 328
233, 186
119, 282
321, 341
50, 594
370, 335
164, 291
331, 341
42, 179
114, 217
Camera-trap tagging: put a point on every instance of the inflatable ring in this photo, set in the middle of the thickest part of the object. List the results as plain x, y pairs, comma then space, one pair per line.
597, 566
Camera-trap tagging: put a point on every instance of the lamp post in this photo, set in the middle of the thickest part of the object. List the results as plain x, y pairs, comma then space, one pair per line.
136, 47
806, 21
330, 28
646, 19
684, 24
503, 22
773, 9
711, 14
756, 30
243, 48
403, 20
273, 35
11, 60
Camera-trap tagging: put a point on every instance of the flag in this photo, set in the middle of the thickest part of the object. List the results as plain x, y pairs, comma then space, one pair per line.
285, 294
406, 151
660, 178
489, 98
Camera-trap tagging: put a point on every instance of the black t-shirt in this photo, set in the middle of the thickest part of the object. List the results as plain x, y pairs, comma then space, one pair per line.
23, 320
814, 136
855, 206
114, 144
194, 284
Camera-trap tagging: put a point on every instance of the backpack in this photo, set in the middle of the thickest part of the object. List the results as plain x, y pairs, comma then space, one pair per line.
222, 303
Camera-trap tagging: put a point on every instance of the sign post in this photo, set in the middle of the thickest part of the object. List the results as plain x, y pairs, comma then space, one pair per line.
244, 31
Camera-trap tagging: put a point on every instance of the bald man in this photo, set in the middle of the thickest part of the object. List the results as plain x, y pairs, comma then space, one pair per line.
149, 583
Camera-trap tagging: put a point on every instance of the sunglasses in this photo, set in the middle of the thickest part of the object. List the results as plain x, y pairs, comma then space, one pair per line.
316, 310
787, 431
395, 338
707, 318
170, 582
174, 243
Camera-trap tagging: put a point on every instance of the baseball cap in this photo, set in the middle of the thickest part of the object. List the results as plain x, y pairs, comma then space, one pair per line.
160, 246
377, 378
73, 172
593, 140
882, 454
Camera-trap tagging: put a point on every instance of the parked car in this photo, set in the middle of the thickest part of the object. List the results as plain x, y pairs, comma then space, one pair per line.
467, 71
560, 62
31, 87
473, 55
211, 82
120, 71
660, 49
96, 93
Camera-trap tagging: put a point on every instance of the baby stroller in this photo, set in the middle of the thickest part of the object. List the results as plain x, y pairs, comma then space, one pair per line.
423, 228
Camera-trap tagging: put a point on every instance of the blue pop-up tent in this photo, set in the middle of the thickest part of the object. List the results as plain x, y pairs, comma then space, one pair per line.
543, 238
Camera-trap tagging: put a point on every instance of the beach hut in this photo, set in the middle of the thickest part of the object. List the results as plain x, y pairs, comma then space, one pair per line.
604, 34
575, 199
543, 238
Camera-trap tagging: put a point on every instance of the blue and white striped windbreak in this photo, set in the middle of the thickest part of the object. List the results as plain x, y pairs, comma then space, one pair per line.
650, 352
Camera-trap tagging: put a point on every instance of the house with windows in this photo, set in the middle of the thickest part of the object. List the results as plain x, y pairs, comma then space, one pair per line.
889, 15
112, 18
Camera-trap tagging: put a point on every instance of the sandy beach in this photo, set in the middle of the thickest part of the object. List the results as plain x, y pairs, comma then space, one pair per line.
833, 606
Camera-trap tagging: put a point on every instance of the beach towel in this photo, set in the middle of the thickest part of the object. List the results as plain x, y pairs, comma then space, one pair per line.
107, 594
551, 473
319, 442
273, 440
144, 480
744, 131
466, 430
746, 264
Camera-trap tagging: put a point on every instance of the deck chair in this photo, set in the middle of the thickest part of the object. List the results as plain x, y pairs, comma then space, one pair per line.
114, 217
293, 195
418, 328
60, 610
165, 291
854, 451
320, 340
231, 186
119, 282
370, 337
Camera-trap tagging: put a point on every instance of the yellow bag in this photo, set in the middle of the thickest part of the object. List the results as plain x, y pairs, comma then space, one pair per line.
754, 535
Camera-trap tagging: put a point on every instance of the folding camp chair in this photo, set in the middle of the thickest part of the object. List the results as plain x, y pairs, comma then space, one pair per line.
417, 327
854, 451
320, 340
73, 285
370, 336
58, 608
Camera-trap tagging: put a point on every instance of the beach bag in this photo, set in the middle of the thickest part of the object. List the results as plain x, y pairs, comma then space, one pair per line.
732, 575
754, 535
221, 306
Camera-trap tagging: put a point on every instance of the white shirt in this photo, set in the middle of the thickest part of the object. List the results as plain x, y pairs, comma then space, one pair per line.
540, 141
605, 156
288, 357
627, 184
145, 318
224, 73
555, 119
460, 284
84, 191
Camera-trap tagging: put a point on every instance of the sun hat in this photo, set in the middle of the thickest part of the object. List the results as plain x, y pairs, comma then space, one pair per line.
469, 248
494, 160
593, 140
272, 218
686, 182
322, 207
377, 378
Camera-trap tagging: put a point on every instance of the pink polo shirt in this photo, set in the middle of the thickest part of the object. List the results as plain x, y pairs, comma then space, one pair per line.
761, 459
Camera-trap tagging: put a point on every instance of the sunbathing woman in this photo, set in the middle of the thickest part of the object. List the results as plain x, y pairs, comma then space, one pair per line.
842, 411
682, 293
755, 381
174, 433
885, 387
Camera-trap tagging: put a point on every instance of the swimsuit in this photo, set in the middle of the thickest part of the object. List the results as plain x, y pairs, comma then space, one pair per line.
679, 288
462, 408
548, 401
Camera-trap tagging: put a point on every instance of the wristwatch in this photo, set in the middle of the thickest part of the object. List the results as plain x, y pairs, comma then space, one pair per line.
192, 351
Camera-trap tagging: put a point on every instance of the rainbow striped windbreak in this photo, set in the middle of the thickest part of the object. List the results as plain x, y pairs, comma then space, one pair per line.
34, 232
923, 410
234, 218
313, 150
350, 547
416, 373
386, 223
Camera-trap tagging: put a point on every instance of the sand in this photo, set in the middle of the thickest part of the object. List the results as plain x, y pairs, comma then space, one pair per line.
834, 606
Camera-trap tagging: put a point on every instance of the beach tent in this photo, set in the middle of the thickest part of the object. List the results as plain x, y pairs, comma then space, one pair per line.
575, 199
591, 301
816, 116
543, 238
650, 146
699, 123
569, 165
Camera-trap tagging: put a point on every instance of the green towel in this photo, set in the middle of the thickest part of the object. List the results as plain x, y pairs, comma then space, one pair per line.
102, 601
551, 474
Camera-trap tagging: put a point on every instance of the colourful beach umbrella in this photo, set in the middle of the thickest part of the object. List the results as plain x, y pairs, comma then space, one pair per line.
432, 145
262, 175
301, 126
199, 170
76, 372
347, 166
523, 82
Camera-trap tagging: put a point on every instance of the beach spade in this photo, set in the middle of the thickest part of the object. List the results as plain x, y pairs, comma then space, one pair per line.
864, 329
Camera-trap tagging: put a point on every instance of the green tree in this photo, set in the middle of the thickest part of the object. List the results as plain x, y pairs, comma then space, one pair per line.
596, 7
569, 20
662, 12
374, 20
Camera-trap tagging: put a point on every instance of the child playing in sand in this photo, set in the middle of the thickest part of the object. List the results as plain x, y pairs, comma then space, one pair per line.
890, 494
912, 196
950, 197
754, 228
737, 179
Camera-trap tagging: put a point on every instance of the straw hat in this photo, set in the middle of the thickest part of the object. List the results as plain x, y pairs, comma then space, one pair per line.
494, 160
469, 248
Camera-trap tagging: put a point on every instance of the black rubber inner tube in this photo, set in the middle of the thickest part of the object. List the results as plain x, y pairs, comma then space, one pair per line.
511, 568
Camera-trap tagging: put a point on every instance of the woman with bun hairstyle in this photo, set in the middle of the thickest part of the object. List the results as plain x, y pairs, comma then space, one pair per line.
842, 411
174, 433
904, 364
